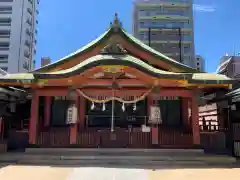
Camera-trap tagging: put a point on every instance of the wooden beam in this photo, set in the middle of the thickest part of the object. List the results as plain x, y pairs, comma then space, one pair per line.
52, 92
176, 92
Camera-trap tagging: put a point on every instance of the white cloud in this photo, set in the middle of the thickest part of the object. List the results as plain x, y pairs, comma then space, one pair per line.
203, 8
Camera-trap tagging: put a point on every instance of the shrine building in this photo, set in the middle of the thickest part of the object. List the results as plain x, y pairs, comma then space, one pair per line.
115, 92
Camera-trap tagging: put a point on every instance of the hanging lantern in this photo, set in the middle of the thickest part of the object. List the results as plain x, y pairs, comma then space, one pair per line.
134, 107
123, 107
92, 106
103, 107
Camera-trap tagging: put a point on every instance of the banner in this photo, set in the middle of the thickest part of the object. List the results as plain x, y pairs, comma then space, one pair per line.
155, 115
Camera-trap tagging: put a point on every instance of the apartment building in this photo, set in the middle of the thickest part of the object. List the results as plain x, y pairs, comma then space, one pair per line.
167, 26
200, 63
18, 32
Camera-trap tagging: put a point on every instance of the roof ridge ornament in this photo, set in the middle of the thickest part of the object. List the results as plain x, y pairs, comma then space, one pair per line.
114, 49
116, 24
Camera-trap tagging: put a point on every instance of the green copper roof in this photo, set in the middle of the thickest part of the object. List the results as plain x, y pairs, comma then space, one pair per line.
127, 60
116, 28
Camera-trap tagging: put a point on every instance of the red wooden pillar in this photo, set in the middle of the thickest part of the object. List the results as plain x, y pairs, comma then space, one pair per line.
154, 128
47, 110
82, 107
185, 116
73, 127
33, 119
195, 121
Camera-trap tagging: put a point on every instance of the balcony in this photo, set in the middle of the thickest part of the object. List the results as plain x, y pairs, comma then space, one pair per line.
25, 66
168, 17
165, 3
29, 21
28, 32
29, 10
27, 43
185, 30
26, 53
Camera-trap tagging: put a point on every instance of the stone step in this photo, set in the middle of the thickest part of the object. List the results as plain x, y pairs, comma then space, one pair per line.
107, 162
38, 158
109, 152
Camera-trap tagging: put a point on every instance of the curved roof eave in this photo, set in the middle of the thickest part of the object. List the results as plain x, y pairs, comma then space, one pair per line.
99, 60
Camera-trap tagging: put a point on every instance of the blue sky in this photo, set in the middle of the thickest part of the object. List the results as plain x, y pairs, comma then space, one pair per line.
66, 25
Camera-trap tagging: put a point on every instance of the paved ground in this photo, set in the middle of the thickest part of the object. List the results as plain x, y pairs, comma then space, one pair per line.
90, 173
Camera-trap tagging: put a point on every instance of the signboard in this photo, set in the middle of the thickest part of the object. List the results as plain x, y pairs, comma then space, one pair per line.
155, 115
71, 114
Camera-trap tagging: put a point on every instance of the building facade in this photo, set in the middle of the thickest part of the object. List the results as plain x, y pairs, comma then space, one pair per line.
18, 22
167, 26
200, 63
115, 92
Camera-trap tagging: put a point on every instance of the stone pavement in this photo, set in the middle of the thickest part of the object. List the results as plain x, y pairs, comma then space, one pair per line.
89, 173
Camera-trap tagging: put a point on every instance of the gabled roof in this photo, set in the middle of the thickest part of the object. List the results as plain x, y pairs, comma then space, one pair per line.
116, 28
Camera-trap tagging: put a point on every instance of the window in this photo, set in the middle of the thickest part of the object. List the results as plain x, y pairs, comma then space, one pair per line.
5, 10
3, 59
4, 45
5, 21
3, 62
5, 33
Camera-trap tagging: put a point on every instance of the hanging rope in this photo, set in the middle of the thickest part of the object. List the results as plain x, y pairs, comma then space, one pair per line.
115, 98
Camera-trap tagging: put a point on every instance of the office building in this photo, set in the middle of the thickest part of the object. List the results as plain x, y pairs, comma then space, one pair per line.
200, 63
18, 22
229, 66
167, 26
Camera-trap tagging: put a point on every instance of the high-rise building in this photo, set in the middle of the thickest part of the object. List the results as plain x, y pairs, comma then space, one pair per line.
166, 26
45, 61
18, 22
200, 63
